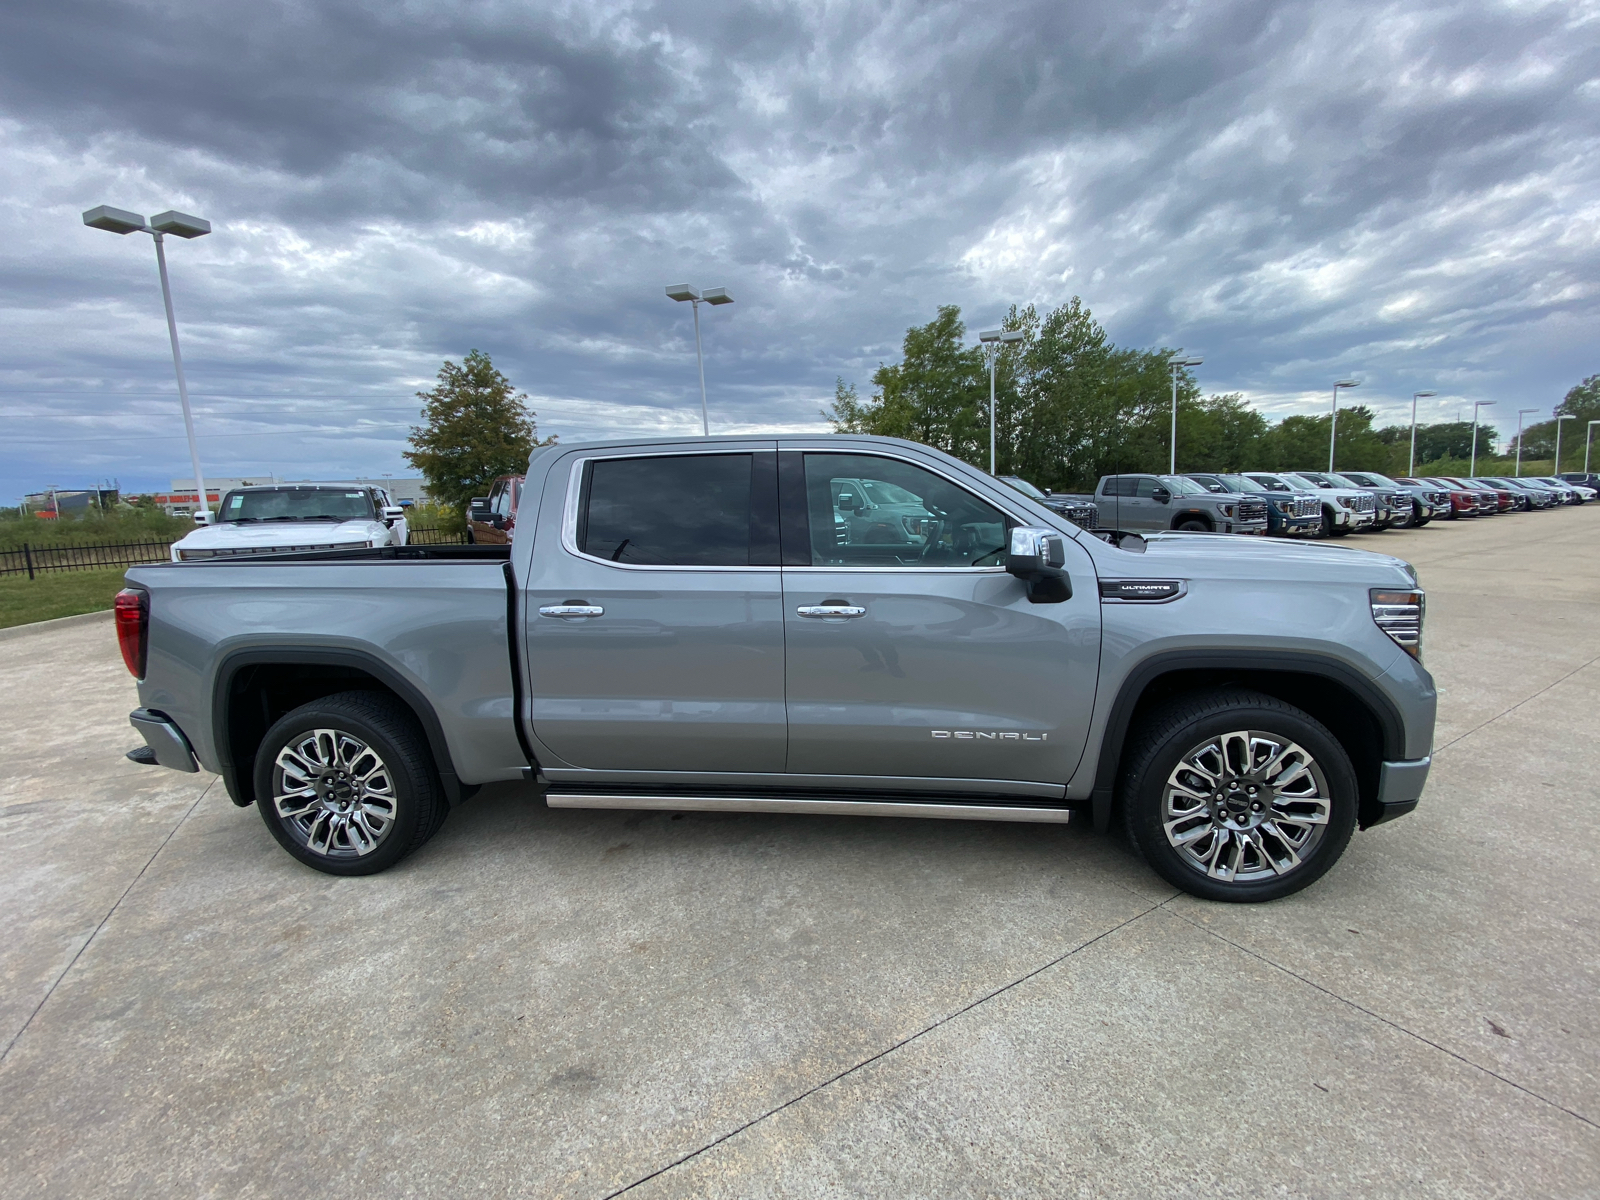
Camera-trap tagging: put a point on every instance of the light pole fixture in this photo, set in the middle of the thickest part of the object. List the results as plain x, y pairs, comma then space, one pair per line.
1004, 337
1588, 440
682, 291
1411, 467
1333, 425
1472, 471
1522, 412
1177, 362
1559, 419
117, 220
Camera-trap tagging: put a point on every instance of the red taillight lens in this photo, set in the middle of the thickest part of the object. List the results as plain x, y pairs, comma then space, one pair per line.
133, 628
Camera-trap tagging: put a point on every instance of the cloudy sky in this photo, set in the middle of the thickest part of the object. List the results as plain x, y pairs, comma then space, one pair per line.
1405, 193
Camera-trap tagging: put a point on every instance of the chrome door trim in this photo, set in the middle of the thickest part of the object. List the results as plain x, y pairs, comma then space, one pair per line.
831, 612
852, 808
569, 515
571, 611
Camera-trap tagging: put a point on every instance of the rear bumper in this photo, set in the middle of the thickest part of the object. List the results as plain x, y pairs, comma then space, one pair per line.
164, 739
1399, 788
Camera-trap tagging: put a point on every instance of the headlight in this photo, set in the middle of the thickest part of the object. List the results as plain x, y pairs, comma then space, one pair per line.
1345, 501
1399, 614
1227, 510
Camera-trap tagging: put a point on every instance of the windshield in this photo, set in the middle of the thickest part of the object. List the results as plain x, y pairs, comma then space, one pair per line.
1023, 486
1179, 486
1346, 481
298, 504
1303, 481
1239, 483
886, 493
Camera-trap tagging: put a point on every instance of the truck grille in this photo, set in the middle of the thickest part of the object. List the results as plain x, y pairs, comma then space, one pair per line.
232, 551
1364, 503
1402, 502
1253, 510
1307, 506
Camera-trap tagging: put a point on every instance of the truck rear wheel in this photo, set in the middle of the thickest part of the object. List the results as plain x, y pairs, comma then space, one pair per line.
347, 784
1238, 796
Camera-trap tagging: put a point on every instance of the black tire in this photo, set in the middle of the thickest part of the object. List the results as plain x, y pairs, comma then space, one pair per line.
1329, 529
404, 783
1192, 525
1177, 734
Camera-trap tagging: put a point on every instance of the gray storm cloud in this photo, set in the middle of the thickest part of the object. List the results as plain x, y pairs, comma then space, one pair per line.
1404, 192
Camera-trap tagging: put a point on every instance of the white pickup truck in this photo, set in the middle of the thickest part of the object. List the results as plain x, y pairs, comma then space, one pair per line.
292, 517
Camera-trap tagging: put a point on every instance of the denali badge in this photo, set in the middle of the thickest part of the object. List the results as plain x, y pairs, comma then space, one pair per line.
998, 735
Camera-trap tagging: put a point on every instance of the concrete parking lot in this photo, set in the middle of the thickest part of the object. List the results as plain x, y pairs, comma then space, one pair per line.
568, 1003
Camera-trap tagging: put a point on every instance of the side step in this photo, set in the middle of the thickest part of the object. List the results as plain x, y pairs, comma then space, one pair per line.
798, 804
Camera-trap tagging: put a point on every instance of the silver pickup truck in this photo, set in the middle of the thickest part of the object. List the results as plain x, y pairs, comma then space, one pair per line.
699, 625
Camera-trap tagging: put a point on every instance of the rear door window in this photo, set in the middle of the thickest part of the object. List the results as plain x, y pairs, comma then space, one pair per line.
690, 510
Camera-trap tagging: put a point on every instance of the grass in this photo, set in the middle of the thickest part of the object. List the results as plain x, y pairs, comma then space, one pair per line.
57, 594
92, 530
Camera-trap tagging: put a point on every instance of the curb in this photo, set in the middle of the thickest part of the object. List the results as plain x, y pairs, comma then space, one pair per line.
17, 631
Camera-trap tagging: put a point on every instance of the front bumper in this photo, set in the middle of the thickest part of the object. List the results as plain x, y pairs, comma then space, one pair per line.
1399, 788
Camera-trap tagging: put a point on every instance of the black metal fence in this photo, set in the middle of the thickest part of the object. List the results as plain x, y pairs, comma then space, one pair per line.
33, 561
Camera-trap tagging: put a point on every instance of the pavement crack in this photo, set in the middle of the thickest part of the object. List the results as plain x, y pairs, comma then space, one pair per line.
1395, 1025
1483, 724
881, 1054
89, 941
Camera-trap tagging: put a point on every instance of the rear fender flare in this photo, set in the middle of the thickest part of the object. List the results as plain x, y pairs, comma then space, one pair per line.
239, 782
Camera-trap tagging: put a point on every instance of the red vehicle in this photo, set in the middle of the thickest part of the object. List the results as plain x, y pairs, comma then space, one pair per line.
492, 519
1503, 501
1482, 502
1462, 502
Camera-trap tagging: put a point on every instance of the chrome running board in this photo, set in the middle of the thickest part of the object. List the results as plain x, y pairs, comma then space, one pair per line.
783, 804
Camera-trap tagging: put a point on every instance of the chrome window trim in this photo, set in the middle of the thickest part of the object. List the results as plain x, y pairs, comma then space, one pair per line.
569, 516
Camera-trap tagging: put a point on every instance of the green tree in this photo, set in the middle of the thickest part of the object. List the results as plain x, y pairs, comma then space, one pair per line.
476, 427
938, 394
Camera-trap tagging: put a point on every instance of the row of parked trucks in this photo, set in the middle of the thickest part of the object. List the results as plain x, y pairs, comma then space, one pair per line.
1300, 503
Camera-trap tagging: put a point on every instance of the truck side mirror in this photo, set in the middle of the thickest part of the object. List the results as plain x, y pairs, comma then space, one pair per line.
478, 509
392, 513
1038, 558
1160, 495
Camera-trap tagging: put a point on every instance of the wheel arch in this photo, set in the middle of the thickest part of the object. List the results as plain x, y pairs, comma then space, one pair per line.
1199, 514
257, 685
1364, 720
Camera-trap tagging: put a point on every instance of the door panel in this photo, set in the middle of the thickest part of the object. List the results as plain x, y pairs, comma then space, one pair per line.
944, 671
682, 669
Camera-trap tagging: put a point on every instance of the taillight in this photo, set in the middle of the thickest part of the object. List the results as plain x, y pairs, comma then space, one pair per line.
133, 628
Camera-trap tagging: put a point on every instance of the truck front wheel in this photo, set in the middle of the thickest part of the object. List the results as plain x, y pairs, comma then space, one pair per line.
347, 784
1238, 796
1192, 525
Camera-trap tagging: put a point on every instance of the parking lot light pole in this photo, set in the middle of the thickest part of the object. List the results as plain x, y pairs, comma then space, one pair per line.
117, 220
1476, 405
682, 291
1333, 425
1177, 362
1522, 412
1411, 467
1588, 440
1559, 419
1004, 337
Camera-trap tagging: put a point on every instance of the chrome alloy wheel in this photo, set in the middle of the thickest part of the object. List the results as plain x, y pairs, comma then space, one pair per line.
334, 793
1245, 806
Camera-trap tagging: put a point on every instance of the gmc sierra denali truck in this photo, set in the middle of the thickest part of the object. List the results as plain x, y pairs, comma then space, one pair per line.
699, 625
1158, 502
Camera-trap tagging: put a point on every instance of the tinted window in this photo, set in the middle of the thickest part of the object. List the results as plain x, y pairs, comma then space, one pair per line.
869, 511
683, 510
1145, 488
1121, 485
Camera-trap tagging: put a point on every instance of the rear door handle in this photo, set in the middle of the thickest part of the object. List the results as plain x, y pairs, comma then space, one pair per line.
572, 610
826, 611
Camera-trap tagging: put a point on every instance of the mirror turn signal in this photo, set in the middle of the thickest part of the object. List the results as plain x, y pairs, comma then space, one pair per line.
1038, 557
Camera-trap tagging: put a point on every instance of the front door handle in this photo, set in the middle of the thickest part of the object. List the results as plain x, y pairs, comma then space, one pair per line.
572, 610
827, 611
